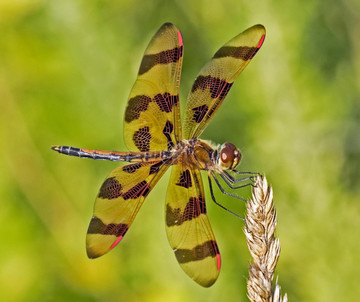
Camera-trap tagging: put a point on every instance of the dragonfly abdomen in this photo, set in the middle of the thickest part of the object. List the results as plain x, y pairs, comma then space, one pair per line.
112, 155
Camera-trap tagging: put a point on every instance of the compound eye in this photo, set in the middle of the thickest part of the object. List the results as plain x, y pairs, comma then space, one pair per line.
227, 154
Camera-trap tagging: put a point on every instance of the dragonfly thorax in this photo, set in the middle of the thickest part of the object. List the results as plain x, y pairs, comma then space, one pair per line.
207, 156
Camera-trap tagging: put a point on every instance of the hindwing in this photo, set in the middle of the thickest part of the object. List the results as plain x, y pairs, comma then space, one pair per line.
188, 227
119, 200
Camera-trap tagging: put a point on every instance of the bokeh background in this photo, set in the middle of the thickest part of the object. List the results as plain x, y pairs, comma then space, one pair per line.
66, 68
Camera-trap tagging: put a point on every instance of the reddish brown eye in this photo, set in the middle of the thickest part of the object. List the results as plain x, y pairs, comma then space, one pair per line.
229, 156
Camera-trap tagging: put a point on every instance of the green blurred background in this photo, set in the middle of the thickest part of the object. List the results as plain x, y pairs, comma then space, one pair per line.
66, 68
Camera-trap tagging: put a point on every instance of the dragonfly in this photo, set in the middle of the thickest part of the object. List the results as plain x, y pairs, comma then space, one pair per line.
157, 140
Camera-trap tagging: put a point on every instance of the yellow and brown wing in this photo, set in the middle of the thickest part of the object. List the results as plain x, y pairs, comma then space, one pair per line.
216, 78
152, 116
119, 200
188, 227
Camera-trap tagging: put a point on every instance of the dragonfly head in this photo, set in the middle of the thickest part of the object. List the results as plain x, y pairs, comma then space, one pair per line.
229, 156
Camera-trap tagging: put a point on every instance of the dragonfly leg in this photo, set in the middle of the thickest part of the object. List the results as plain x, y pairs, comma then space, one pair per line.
233, 180
227, 193
241, 172
230, 181
220, 205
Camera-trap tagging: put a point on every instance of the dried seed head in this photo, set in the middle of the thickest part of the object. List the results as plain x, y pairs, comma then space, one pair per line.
263, 246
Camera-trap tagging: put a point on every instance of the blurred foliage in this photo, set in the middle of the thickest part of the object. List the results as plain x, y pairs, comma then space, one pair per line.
66, 68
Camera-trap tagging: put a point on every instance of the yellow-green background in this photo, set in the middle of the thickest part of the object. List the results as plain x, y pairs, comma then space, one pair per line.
66, 68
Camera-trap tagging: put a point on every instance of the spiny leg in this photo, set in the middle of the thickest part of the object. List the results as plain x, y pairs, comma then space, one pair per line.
233, 180
241, 172
220, 205
227, 193
230, 181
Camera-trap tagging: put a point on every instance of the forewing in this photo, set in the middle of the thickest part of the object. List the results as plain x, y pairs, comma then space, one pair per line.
216, 78
119, 200
152, 116
188, 227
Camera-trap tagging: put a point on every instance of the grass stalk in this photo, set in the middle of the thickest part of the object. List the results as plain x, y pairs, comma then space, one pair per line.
264, 247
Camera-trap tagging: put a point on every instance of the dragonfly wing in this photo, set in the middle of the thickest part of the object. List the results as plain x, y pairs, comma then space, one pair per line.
152, 116
119, 200
188, 227
216, 78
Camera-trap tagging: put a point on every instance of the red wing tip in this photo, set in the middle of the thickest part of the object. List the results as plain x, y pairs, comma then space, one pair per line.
180, 38
218, 258
116, 242
261, 41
